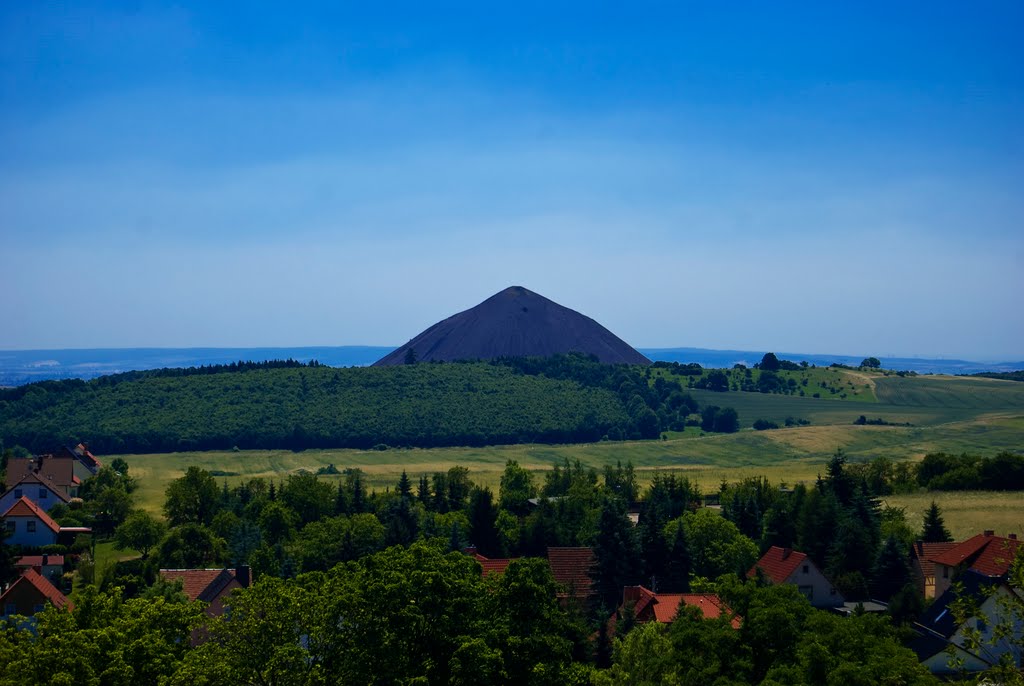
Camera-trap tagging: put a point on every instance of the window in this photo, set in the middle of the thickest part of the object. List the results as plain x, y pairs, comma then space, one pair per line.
43, 493
30, 526
982, 627
807, 591
945, 572
39, 607
17, 493
807, 569
11, 609
10, 526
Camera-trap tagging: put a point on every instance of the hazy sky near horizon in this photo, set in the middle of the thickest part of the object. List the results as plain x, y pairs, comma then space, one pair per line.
806, 177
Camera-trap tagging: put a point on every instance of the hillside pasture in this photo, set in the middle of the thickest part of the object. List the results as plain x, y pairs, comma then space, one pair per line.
783, 455
966, 513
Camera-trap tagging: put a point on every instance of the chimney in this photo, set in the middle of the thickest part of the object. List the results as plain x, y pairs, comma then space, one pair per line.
990, 532
46, 559
242, 574
786, 552
1013, 537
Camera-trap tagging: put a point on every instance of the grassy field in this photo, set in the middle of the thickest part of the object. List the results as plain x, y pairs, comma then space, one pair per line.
789, 455
967, 513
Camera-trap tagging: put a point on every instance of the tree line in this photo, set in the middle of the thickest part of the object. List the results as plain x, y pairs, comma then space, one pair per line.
291, 405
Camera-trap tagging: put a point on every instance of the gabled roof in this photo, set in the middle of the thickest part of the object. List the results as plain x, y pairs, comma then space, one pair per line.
665, 606
571, 568
81, 451
37, 561
493, 565
201, 584
925, 553
997, 557
26, 508
985, 553
33, 479
778, 564
709, 604
44, 587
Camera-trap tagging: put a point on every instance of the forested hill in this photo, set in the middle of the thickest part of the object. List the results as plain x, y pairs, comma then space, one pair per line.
297, 406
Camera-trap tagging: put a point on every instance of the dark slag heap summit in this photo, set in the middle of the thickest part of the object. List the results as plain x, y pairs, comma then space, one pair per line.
515, 323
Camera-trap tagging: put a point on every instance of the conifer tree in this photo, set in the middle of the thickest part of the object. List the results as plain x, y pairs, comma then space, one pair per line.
404, 486
891, 572
935, 530
341, 500
679, 564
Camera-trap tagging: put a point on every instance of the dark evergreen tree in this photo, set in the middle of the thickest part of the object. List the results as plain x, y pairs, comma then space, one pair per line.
655, 550
440, 480
357, 505
891, 572
423, 492
615, 555
341, 505
679, 564
779, 527
935, 530
482, 517
404, 486
838, 480
819, 519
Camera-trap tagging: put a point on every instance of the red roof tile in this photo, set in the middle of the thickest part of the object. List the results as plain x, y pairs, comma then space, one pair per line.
925, 553
665, 606
710, 605
987, 554
495, 566
571, 568
37, 561
778, 564
200, 584
26, 508
45, 588
997, 557
961, 551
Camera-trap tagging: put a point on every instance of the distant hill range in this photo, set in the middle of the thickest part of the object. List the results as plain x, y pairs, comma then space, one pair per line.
19, 367
514, 323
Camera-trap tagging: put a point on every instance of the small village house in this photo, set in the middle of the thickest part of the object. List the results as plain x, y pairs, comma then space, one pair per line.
30, 594
787, 566
42, 493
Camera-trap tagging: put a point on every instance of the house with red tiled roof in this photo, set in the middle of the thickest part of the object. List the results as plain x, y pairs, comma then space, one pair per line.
42, 493
209, 585
923, 568
572, 568
51, 567
491, 565
28, 525
648, 606
787, 566
986, 554
29, 595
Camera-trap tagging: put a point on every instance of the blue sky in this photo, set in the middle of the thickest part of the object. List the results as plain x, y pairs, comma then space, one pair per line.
842, 179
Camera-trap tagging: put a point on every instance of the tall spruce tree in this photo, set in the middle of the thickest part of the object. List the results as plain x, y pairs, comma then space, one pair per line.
679, 564
891, 572
615, 554
935, 530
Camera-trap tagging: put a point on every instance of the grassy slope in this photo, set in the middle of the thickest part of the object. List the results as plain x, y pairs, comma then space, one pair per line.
967, 513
